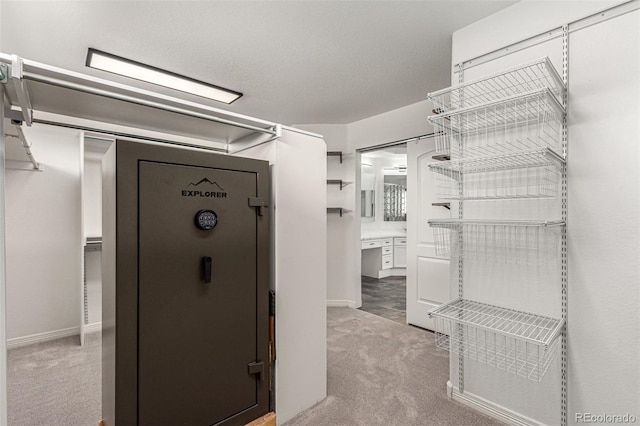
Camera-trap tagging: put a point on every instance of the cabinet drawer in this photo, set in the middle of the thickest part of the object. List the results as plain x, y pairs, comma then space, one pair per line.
387, 250
367, 244
387, 261
400, 241
387, 242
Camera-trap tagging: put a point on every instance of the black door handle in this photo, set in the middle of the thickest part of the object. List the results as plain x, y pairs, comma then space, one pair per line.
206, 266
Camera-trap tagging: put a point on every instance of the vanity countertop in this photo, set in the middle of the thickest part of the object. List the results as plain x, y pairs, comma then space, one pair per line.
383, 234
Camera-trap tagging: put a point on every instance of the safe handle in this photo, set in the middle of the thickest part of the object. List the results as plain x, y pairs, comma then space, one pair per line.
206, 266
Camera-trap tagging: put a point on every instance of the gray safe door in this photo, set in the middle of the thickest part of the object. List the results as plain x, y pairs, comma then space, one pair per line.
196, 339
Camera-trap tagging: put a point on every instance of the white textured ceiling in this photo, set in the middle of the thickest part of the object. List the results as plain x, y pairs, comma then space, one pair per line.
295, 61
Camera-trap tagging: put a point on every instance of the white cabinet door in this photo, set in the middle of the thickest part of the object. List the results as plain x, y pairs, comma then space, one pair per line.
427, 274
400, 257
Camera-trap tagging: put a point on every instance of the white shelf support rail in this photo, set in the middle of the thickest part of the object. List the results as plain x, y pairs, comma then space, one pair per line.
550, 34
460, 331
563, 250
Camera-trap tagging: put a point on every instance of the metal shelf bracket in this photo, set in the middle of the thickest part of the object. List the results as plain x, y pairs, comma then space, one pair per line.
335, 154
16, 74
23, 140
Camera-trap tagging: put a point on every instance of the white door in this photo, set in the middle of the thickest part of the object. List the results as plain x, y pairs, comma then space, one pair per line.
427, 274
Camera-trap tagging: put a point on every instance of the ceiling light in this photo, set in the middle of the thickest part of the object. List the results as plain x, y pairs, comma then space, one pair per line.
132, 69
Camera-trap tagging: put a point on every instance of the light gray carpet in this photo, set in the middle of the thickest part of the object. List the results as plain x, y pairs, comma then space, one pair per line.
379, 373
384, 373
55, 383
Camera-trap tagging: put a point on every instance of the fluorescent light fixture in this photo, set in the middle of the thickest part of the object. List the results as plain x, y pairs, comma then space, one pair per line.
132, 69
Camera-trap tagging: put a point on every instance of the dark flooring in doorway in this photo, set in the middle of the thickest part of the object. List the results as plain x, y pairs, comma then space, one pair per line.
385, 297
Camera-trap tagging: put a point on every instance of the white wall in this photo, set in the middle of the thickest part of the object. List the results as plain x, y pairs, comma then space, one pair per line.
92, 214
43, 235
299, 234
343, 243
3, 317
3, 324
338, 237
92, 195
604, 208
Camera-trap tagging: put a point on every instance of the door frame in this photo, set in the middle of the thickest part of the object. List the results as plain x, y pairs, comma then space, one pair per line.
358, 207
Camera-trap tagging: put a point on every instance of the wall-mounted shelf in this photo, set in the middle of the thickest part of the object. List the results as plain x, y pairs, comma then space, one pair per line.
519, 342
337, 182
34, 86
445, 205
93, 244
526, 242
335, 154
339, 210
537, 74
528, 174
527, 121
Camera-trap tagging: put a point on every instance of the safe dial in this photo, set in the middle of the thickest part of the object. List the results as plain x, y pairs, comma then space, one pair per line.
206, 219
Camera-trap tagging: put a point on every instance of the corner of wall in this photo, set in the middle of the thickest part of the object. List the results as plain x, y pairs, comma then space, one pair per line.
3, 301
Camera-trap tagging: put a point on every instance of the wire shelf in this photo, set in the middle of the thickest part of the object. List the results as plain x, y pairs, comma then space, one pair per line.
513, 242
518, 342
526, 121
538, 74
529, 174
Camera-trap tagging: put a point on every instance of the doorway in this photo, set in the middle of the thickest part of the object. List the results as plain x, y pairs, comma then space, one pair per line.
383, 229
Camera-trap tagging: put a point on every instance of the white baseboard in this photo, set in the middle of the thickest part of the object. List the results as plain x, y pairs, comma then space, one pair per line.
496, 411
341, 304
393, 272
93, 327
17, 342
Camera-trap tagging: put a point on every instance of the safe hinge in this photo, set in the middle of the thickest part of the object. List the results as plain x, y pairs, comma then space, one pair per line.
257, 368
258, 202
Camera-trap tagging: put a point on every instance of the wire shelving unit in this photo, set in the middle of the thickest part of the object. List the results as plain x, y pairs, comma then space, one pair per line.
537, 74
505, 138
526, 121
529, 174
518, 342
